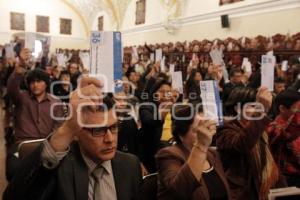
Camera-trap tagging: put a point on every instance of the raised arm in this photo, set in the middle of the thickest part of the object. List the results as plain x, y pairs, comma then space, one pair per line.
242, 137
14, 81
183, 178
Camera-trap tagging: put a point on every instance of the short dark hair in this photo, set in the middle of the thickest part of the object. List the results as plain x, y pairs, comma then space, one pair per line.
37, 74
180, 126
287, 98
158, 83
240, 95
109, 102
234, 71
64, 72
279, 80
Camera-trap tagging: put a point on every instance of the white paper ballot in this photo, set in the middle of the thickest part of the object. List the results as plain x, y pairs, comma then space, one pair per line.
177, 83
61, 59
267, 71
246, 65
215, 42
162, 64
172, 68
30, 41
1, 52
135, 53
194, 57
244, 61
9, 50
106, 59
217, 56
270, 53
284, 192
284, 65
85, 59
243, 41
158, 55
152, 57
211, 101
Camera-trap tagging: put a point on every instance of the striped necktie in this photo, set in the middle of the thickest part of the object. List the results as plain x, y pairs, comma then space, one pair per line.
101, 185
94, 183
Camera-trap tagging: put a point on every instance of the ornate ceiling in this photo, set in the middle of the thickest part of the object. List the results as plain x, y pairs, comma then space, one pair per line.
89, 9
116, 9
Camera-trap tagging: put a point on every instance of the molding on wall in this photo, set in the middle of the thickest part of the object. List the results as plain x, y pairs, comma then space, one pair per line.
10, 34
243, 10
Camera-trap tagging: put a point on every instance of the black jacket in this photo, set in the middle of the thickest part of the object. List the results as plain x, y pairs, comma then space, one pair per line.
69, 181
128, 134
151, 131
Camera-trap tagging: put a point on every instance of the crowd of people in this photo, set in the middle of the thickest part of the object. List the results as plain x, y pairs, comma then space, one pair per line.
103, 149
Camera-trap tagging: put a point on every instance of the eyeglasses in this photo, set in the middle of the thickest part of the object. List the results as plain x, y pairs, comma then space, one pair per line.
102, 131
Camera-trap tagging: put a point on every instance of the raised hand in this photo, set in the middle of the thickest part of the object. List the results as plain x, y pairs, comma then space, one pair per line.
88, 92
205, 131
264, 97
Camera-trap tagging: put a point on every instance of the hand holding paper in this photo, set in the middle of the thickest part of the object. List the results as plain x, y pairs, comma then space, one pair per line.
61, 61
85, 59
177, 83
264, 97
284, 65
158, 55
267, 71
30, 41
217, 56
9, 50
246, 66
211, 101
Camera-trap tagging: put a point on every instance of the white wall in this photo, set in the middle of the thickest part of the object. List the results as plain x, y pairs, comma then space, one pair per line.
201, 20
196, 7
55, 9
107, 26
154, 14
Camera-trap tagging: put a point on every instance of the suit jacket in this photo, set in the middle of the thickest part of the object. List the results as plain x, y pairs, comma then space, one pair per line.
70, 180
176, 179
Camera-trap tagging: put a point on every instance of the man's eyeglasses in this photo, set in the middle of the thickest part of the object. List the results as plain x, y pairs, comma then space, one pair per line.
102, 131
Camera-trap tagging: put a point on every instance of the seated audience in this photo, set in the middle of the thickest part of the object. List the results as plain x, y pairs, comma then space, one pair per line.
189, 169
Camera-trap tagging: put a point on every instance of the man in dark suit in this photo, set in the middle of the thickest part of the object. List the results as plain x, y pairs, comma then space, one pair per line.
88, 168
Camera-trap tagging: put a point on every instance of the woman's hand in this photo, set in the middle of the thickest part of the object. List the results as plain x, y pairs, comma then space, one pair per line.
264, 97
205, 131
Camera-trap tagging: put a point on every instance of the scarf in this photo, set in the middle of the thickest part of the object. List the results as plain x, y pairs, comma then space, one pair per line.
265, 166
